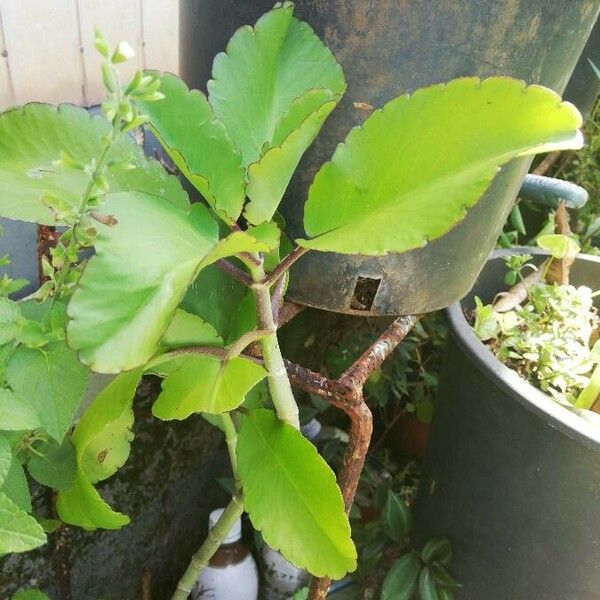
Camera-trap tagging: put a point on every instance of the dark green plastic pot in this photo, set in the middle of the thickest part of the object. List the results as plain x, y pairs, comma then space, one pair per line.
512, 477
387, 48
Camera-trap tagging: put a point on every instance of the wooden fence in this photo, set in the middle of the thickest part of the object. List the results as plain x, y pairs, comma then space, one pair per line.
47, 46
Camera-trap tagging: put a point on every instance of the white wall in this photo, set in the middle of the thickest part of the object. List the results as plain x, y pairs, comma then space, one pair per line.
47, 46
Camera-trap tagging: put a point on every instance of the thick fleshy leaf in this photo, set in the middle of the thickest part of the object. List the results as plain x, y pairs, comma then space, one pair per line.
102, 441
262, 238
410, 172
198, 144
15, 486
33, 136
52, 381
102, 438
187, 329
16, 414
401, 581
292, 497
130, 289
273, 88
19, 532
268, 177
204, 383
82, 505
56, 467
214, 296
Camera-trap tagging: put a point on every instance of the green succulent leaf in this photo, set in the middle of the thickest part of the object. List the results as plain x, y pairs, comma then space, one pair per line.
204, 383
102, 441
410, 172
19, 532
395, 517
56, 467
52, 381
16, 487
16, 414
262, 238
269, 177
5, 459
401, 581
32, 137
275, 114
130, 289
82, 505
102, 438
190, 330
214, 296
302, 515
244, 317
198, 144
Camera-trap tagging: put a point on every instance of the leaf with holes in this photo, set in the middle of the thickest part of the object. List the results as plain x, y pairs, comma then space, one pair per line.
33, 136
19, 532
292, 497
204, 383
273, 88
52, 381
102, 438
82, 505
130, 289
410, 172
198, 144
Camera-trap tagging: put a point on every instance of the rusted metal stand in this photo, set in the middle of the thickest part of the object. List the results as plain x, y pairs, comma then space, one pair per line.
346, 393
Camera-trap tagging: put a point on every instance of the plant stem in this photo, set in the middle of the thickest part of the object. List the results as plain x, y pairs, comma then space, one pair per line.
277, 378
223, 526
231, 439
213, 540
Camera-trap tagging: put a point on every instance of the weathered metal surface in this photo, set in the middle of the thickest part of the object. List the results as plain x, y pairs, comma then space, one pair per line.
386, 48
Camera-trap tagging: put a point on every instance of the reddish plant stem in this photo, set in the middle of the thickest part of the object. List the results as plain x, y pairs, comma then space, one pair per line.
346, 393
284, 265
234, 272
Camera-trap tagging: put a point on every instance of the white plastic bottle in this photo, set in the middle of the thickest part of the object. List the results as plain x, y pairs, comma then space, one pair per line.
231, 573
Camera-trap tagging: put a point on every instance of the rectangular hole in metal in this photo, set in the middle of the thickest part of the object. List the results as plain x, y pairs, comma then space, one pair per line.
364, 293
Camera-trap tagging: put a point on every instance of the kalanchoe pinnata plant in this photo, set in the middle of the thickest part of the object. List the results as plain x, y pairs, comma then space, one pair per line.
154, 299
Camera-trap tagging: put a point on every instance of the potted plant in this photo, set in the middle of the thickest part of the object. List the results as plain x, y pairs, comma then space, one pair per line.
120, 312
385, 47
511, 471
